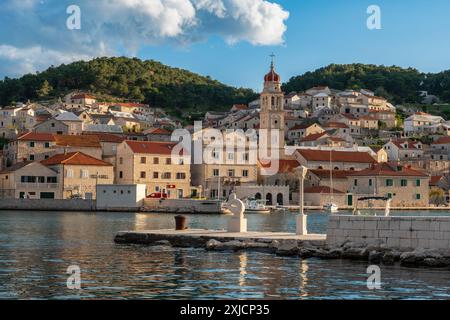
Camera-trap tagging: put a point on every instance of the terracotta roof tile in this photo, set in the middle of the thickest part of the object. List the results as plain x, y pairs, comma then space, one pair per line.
35, 136
337, 174
91, 141
337, 156
322, 189
442, 140
390, 170
106, 137
314, 137
75, 159
152, 147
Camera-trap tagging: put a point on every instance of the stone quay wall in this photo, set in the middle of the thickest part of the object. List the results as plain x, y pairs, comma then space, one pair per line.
392, 232
47, 205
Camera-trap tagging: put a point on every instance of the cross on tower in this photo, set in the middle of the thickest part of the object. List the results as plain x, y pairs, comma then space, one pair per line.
273, 59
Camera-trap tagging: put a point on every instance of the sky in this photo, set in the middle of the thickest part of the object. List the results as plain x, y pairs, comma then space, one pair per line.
229, 40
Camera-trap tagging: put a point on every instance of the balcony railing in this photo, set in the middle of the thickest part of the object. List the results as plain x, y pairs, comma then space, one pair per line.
37, 185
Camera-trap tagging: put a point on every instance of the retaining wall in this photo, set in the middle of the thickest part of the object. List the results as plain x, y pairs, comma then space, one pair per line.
47, 205
394, 232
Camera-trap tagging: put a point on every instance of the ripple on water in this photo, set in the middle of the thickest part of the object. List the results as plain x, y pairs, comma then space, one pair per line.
37, 247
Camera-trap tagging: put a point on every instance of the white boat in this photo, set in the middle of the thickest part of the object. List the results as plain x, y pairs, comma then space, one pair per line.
331, 208
255, 206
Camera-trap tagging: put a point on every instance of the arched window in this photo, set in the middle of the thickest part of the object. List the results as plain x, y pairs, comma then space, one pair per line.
269, 201
280, 199
258, 196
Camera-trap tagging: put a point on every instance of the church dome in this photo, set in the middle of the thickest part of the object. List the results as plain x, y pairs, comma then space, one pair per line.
272, 76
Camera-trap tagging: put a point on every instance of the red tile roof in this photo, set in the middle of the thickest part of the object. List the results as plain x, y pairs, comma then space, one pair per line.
75, 159
401, 142
152, 147
240, 106
160, 131
83, 96
442, 140
284, 165
314, 137
106, 137
337, 174
34, 136
301, 126
335, 125
89, 141
337, 156
434, 181
322, 189
389, 170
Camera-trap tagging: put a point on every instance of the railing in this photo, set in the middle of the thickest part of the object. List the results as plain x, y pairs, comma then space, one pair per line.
37, 185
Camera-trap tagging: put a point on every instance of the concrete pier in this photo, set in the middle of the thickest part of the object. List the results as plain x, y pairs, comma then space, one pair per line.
199, 238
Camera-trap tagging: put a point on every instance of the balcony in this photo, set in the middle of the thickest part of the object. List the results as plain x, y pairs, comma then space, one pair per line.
40, 186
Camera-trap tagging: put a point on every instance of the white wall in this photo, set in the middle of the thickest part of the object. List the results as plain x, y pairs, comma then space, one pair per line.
395, 232
118, 196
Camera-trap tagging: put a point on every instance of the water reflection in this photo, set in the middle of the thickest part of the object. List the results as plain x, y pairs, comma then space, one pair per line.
36, 249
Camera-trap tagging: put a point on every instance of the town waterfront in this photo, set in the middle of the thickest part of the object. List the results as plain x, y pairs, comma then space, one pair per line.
36, 248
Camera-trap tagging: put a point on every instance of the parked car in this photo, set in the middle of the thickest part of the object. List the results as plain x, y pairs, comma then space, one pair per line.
158, 195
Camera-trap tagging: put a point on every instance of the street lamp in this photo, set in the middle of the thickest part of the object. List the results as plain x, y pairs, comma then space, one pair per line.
301, 229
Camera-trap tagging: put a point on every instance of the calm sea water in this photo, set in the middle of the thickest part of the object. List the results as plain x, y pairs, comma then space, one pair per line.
36, 249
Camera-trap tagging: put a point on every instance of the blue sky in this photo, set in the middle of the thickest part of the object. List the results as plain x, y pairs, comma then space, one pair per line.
224, 42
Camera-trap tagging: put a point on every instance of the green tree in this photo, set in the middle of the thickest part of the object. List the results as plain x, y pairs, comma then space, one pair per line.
45, 90
437, 196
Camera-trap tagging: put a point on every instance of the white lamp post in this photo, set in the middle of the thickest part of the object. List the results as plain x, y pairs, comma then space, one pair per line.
301, 218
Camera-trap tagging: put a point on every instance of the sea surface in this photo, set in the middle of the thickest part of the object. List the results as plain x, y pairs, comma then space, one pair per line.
36, 249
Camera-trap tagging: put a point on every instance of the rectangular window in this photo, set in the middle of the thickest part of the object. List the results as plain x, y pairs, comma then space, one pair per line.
155, 160
47, 145
51, 180
355, 182
143, 175
167, 175
418, 196
417, 183
32, 144
69, 173
143, 160
84, 174
231, 173
404, 183
370, 182
155, 175
245, 173
120, 160
216, 172
168, 161
389, 182
121, 174
181, 176
31, 157
389, 195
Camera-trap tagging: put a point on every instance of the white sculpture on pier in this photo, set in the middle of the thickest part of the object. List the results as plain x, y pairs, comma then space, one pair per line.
236, 223
301, 218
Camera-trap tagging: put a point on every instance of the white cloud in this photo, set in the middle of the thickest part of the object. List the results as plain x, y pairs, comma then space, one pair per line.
27, 60
111, 26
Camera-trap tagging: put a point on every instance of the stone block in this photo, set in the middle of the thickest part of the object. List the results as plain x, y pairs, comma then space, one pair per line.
370, 225
393, 242
421, 225
406, 243
405, 225
383, 224
394, 225
423, 243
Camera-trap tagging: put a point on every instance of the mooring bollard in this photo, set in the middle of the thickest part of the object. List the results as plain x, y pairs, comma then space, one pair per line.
180, 223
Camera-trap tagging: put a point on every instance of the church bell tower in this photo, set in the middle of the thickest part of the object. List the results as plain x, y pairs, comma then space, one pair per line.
272, 108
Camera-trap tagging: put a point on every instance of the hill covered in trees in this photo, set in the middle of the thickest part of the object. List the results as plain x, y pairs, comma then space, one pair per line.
397, 84
129, 79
